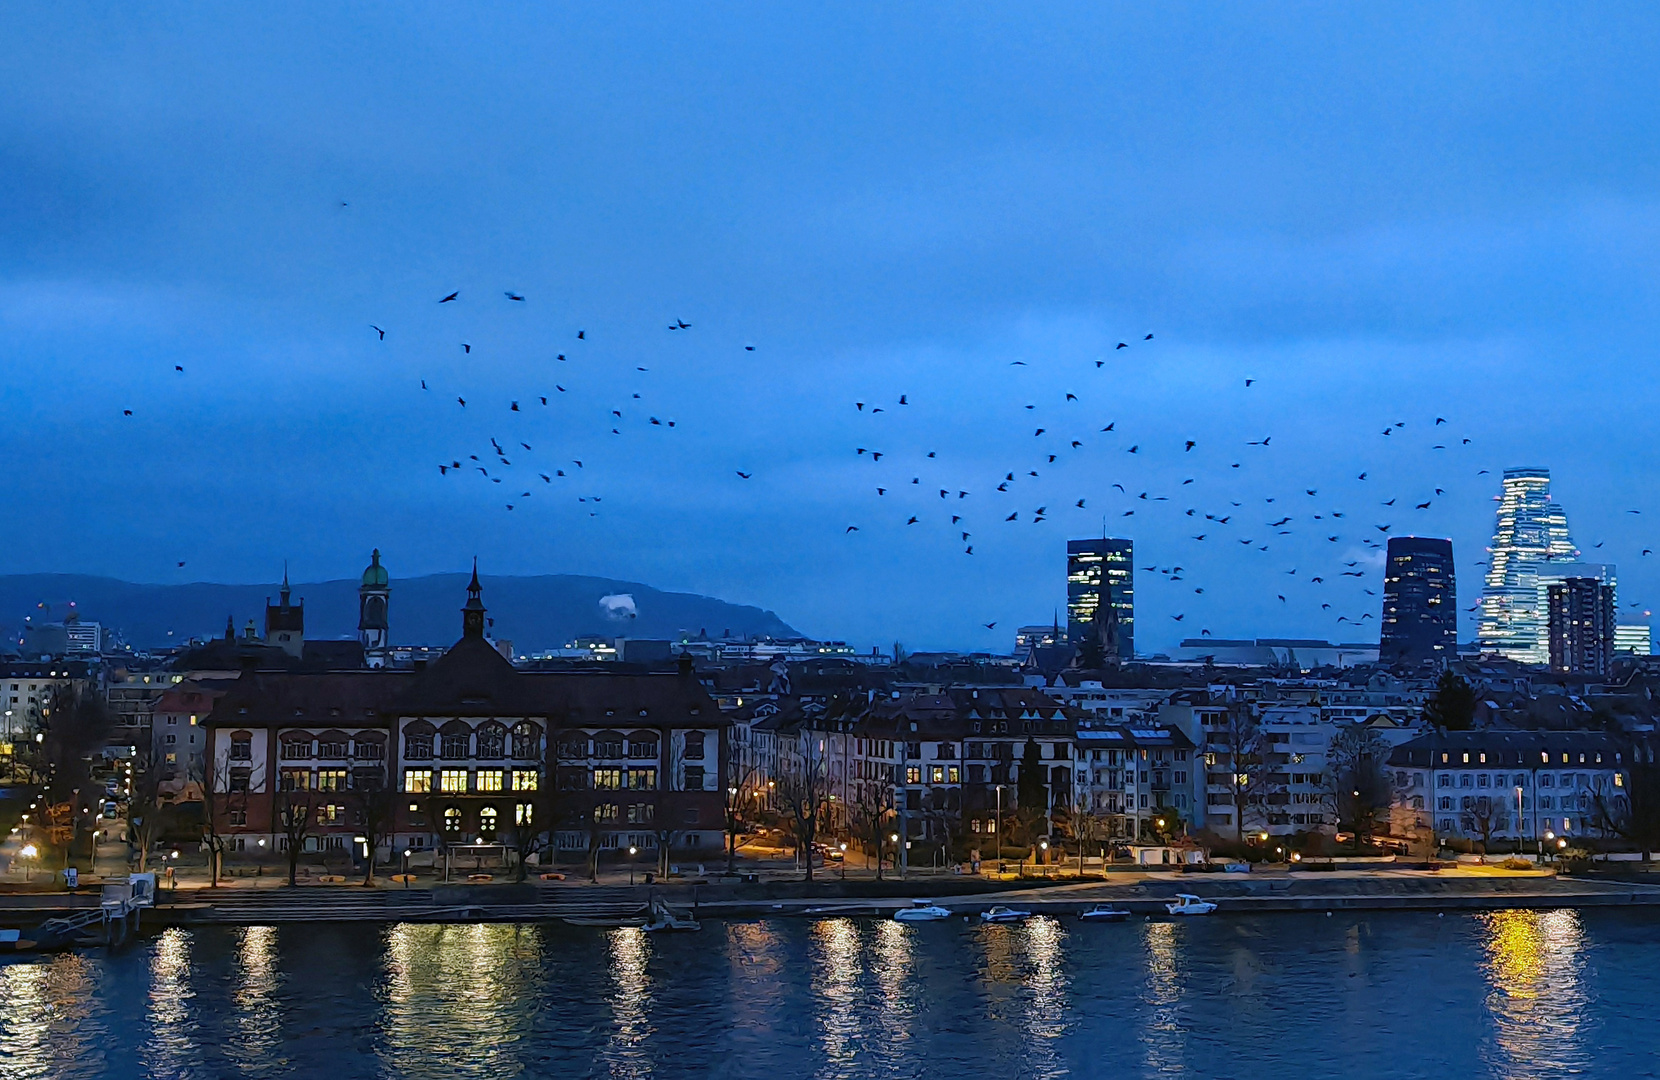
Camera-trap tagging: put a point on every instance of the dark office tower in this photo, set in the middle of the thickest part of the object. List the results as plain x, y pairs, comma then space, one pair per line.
1581, 626
1420, 603
1100, 594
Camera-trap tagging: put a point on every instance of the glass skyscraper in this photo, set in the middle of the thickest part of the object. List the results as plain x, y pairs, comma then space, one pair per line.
1101, 572
1530, 542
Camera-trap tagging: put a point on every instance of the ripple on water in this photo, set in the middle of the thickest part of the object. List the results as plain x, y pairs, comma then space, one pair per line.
1365, 997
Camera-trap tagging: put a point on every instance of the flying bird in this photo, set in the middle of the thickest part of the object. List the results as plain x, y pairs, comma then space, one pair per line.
466, 348
450, 297
582, 335
1120, 345
515, 296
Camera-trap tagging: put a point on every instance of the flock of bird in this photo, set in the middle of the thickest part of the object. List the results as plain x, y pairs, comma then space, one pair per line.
1079, 463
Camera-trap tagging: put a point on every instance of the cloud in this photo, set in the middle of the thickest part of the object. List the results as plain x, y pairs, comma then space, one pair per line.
619, 606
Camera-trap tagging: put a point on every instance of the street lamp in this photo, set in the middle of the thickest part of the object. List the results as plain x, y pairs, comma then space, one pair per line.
632, 851
844, 860
29, 852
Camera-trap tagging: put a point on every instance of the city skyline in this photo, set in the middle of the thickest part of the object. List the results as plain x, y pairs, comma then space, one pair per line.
965, 238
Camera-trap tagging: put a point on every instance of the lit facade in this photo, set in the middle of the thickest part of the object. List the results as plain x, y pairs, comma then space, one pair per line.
1581, 626
1420, 602
1531, 534
1634, 639
1101, 572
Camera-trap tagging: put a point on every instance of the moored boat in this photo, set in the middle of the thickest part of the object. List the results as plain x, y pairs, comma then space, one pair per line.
1104, 913
922, 911
1188, 904
1001, 914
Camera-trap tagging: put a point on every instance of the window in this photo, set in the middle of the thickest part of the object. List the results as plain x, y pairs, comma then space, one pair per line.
242, 749
605, 813
694, 746
936, 774
492, 741
416, 816
1443, 781
488, 780
293, 748
417, 780
525, 779
572, 748
331, 749
296, 780
371, 751
330, 814
527, 742
524, 813
642, 779
171, 758
642, 748
610, 749
487, 822
953, 775
417, 747
452, 821
331, 779
608, 779
453, 781
694, 778
913, 774
641, 813
238, 817
239, 780
171, 739
455, 746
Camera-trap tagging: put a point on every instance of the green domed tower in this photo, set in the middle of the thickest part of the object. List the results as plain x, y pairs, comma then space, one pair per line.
373, 597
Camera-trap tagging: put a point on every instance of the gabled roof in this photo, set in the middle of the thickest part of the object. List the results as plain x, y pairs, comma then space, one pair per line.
295, 699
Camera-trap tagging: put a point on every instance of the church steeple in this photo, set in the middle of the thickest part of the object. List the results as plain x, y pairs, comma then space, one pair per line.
472, 615
373, 597
285, 589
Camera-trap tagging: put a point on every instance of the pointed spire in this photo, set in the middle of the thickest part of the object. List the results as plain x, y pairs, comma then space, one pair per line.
285, 588
230, 628
472, 614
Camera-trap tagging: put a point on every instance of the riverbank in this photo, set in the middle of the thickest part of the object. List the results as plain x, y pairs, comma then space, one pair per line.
1463, 889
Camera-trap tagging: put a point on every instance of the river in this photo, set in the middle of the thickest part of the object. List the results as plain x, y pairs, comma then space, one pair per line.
1362, 996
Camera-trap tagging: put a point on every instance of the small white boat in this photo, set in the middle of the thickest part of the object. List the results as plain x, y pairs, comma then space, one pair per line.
1188, 904
1004, 914
1104, 913
922, 911
665, 920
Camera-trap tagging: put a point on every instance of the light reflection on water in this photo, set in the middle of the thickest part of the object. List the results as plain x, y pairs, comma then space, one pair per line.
1374, 997
1535, 965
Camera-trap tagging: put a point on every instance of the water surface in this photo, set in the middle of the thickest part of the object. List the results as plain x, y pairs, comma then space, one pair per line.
1363, 997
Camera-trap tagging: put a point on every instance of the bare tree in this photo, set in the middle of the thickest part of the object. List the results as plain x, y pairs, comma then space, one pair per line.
873, 805
1356, 781
740, 782
224, 797
296, 813
375, 802
1632, 810
1242, 749
534, 820
1482, 816
146, 811
802, 787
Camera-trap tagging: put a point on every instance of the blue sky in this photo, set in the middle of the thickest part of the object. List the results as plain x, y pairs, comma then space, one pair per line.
1378, 215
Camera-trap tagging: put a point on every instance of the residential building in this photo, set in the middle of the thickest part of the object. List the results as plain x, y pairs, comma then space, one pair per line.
178, 740
1581, 626
1100, 594
1515, 785
1531, 534
1420, 603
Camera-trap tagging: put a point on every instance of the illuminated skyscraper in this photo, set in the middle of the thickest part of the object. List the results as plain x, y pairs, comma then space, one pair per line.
1581, 615
1531, 536
1101, 572
1420, 602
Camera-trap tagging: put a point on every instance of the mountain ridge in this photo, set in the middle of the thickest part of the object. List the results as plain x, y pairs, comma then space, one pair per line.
535, 612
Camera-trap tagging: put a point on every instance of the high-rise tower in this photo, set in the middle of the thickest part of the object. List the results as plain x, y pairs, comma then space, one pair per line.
1100, 593
374, 597
1581, 619
1531, 535
1420, 602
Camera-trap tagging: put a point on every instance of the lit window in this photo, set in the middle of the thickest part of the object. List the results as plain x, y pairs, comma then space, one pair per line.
913, 774
489, 780
525, 779
331, 779
452, 780
953, 775
642, 779
417, 780
936, 774
524, 813
608, 779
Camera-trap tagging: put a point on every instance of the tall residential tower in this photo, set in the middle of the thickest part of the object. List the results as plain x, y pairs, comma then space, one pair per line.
1420, 603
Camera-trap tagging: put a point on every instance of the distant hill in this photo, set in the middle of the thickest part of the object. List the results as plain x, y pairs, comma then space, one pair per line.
533, 612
